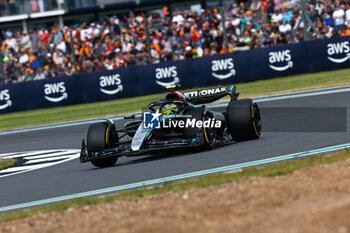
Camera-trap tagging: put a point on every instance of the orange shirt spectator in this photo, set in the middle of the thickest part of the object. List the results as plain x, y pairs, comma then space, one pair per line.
156, 47
346, 32
31, 56
195, 34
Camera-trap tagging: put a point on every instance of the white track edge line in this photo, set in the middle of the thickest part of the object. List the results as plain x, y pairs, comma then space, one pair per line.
176, 177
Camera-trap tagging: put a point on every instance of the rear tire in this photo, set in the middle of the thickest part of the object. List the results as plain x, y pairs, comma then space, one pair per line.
243, 120
98, 137
200, 114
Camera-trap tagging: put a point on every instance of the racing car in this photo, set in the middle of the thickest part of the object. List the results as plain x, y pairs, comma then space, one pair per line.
179, 122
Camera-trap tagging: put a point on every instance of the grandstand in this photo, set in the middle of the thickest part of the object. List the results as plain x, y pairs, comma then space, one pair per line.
45, 39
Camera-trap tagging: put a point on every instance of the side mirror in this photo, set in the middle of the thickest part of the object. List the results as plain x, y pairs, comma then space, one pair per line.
129, 116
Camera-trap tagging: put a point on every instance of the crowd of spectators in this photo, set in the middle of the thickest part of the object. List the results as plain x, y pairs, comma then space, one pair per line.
119, 42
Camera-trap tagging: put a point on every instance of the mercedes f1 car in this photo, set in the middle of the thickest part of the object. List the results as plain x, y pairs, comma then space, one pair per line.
179, 122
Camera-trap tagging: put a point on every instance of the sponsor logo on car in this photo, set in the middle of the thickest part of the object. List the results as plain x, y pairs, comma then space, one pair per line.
280, 60
204, 92
340, 48
55, 89
5, 100
154, 120
111, 81
224, 66
167, 73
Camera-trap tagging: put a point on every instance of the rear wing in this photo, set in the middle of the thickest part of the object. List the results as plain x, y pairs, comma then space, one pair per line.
211, 95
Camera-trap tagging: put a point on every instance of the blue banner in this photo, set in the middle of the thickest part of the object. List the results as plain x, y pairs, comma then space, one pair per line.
13, 98
154, 78
329, 54
244, 66
109, 85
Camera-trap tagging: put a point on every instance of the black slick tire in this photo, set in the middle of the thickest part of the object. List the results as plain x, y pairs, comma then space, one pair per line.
200, 114
243, 120
98, 137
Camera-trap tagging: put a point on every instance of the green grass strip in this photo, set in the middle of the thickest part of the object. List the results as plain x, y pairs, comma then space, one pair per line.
204, 181
6, 163
135, 104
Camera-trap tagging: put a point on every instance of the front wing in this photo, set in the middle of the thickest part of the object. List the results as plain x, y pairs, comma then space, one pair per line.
149, 147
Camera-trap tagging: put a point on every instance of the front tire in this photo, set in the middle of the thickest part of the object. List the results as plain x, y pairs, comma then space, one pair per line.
243, 120
98, 138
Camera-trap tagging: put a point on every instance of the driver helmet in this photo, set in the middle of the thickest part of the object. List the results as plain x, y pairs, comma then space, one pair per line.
169, 109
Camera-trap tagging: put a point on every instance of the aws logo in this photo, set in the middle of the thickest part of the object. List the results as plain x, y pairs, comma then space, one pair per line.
168, 73
340, 48
55, 92
5, 100
223, 65
109, 82
279, 57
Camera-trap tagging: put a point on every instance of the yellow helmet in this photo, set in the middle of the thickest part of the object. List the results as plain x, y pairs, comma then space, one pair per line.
169, 109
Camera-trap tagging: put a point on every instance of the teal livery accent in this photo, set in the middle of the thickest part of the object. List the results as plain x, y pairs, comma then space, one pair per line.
149, 132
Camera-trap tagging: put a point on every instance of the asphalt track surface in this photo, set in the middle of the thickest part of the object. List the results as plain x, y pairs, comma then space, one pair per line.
73, 177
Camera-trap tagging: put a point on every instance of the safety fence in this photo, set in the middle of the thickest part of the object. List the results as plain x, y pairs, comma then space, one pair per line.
245, 66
